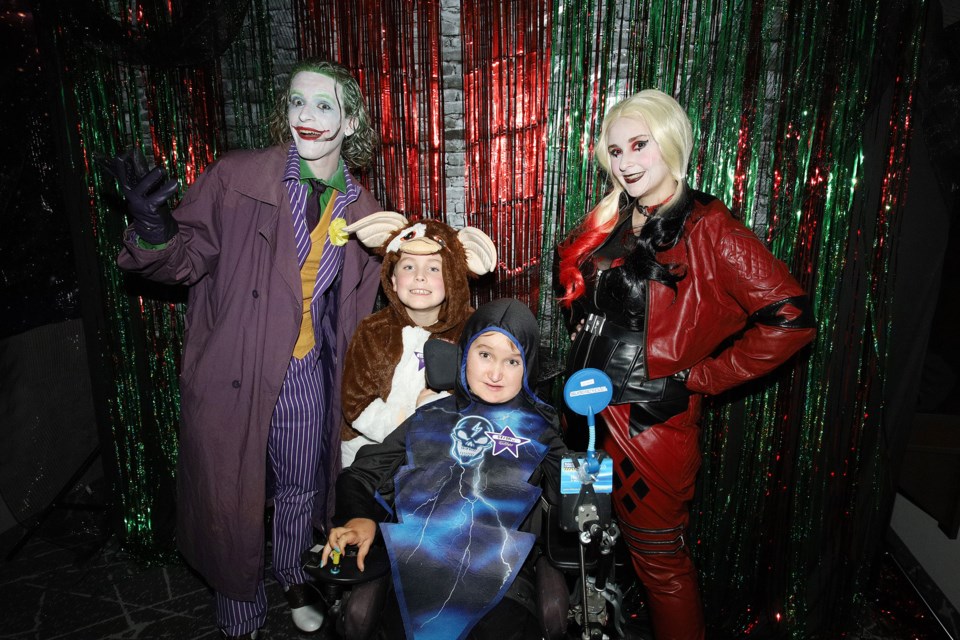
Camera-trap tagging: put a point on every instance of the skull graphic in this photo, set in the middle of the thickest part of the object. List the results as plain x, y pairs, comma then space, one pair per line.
470, 439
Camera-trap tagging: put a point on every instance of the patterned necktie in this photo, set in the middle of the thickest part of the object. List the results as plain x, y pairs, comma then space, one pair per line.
312, 211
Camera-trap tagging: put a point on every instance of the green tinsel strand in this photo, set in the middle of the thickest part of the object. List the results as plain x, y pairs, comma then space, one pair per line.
566, 56
584, 66
811, 481
142, 336
265, 68
249, 65
554, 225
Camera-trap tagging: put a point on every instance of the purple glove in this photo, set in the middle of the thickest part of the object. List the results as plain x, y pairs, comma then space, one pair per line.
147, 192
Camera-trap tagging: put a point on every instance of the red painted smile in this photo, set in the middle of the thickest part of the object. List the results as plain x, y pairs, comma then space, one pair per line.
307, 133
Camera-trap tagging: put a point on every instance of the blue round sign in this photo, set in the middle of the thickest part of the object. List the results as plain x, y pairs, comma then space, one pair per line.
588, 391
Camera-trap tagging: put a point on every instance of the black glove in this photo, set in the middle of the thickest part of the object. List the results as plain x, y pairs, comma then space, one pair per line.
147, 192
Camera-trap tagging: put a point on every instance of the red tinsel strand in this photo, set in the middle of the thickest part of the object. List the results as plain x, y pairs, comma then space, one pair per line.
504, 66
394, 53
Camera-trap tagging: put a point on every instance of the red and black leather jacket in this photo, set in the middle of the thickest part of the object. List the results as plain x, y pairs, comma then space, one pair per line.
732, 284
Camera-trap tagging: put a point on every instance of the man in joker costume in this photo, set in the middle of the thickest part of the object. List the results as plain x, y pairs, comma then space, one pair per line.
276, 289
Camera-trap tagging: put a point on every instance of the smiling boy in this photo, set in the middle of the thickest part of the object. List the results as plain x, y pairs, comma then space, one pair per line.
425, 280
418, 282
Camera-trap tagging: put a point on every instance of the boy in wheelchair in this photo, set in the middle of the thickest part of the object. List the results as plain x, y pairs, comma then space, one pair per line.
454, 495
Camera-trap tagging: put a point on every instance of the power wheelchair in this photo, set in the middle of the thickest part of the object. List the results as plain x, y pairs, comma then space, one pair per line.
579, 543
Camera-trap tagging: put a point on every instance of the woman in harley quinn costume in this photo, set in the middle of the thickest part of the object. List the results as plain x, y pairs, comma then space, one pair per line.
656, 278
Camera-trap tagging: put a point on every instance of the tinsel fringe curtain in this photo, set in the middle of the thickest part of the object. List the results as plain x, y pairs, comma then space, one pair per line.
792, 499
393, 48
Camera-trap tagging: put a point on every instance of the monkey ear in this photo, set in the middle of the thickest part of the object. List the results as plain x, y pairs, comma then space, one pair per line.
480, 250
374, 229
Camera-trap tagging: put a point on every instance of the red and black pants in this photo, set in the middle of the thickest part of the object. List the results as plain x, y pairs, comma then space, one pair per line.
655, 469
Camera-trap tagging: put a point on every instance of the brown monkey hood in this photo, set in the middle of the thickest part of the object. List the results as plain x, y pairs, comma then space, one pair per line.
427, 237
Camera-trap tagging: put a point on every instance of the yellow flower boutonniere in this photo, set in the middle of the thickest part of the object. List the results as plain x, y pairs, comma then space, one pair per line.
338, 237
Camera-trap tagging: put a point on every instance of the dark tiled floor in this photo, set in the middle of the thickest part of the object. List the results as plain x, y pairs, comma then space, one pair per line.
73, 581
50, 592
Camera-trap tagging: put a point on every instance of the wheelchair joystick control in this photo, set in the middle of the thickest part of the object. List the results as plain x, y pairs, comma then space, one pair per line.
335, 561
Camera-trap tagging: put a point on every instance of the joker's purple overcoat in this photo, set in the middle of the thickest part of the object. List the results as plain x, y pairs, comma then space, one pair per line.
236, 251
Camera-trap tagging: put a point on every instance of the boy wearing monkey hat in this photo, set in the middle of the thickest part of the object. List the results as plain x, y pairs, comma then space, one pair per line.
426, 266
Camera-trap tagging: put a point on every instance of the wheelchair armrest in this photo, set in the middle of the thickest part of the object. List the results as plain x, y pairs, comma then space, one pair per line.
377, 564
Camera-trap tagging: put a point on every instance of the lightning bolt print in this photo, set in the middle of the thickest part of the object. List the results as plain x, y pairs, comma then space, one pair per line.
456, 549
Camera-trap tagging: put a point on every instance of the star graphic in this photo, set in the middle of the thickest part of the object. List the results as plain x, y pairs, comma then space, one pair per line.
507, 440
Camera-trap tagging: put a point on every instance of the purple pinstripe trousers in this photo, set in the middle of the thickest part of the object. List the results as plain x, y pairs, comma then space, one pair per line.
293, 454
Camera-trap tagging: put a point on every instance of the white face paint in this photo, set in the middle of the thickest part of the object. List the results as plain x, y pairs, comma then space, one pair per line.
636, 162
317, 121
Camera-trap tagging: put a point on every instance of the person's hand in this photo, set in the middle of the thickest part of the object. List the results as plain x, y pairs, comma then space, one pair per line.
146, 192
358, 531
